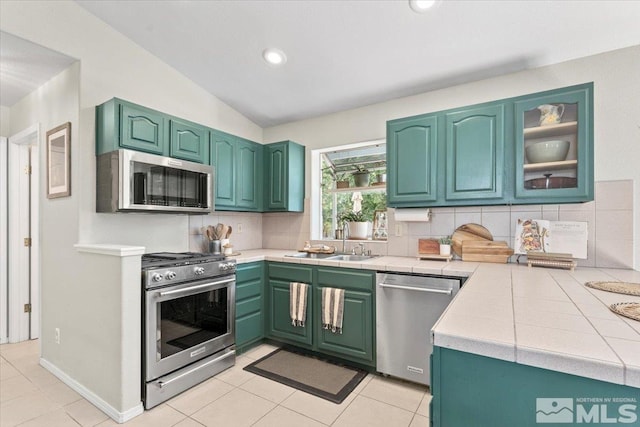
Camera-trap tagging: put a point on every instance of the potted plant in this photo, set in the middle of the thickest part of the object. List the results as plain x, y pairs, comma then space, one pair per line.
341, 180
361, 176
358, 224
445, 245
381, 178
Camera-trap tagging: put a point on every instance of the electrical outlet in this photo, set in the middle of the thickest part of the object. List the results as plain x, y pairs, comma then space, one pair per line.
57, 335
398, 230
239, 228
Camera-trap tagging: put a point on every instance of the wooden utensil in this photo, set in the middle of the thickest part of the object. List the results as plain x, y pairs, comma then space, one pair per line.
218, 231
229, 232
211, 232
468, 232
224, 231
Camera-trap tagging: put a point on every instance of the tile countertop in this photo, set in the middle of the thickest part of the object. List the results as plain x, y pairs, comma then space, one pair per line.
540, 317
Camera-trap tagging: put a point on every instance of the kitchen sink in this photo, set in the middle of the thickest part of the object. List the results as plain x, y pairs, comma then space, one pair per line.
333, 257
310, 255
347, 257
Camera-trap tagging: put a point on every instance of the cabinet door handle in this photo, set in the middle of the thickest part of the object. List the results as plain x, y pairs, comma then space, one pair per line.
194, 288
413, 288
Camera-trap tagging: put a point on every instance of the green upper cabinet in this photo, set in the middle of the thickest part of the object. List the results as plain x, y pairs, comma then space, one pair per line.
554, 146
238, 168
223, 159
412, 149
475, 153
485, 154
188, 141
284, 177
249, 175
120, 124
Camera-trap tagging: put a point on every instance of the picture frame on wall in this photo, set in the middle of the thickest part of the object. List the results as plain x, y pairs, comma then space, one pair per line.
380, 231
59, 161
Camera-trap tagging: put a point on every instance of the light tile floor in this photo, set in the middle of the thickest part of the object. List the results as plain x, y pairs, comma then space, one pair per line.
30, 396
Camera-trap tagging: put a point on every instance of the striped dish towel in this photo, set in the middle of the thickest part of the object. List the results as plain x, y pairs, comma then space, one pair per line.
298, 303
332, 309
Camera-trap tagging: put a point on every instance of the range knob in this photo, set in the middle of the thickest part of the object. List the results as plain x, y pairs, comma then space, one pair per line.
156, 277
227, 266
198, 271
170, 275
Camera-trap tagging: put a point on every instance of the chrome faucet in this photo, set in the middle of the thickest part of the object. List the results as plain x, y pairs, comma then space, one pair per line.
345, 227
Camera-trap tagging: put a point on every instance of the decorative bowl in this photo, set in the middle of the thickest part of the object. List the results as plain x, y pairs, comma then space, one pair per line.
547, 151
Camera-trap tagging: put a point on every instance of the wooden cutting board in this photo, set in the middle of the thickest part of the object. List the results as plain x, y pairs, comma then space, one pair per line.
468, 232
486, 247
486, 251
428, 246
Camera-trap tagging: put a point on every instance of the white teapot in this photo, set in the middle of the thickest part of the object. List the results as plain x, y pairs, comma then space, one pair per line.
550, 114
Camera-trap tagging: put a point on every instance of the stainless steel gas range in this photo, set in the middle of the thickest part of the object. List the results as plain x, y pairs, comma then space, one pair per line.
188, 321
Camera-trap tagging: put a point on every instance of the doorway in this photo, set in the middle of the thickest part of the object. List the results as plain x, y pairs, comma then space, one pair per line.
21, 274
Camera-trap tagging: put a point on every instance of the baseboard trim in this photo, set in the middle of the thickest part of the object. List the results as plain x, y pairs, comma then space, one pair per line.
113, 413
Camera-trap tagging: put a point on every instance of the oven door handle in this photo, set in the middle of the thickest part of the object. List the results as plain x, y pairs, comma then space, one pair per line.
193, 288
217, 359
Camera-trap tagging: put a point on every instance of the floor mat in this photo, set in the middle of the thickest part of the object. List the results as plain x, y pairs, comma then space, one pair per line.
309, 374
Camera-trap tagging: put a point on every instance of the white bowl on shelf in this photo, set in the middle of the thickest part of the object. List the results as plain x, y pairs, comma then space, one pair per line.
547, 151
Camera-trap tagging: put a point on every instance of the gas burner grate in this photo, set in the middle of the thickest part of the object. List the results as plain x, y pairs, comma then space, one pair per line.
167, 259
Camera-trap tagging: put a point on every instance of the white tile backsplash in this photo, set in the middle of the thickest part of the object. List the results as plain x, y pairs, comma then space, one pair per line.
610, 219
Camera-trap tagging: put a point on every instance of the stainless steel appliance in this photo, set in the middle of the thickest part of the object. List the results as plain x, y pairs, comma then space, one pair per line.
188, 321
129, 180
407, 307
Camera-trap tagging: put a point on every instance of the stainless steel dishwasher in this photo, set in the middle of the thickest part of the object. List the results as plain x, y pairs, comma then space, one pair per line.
407, 307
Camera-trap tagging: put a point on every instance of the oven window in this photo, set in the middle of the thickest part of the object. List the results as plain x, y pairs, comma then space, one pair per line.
191, 321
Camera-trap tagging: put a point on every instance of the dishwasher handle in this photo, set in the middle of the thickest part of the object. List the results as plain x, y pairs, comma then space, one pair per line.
413, 288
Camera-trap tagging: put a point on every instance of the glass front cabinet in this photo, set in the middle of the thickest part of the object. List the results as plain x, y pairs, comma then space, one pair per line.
554, 147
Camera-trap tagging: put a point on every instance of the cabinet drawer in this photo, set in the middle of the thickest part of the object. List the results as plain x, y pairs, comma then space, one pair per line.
247, 272
345, 278
290, 272
248, 306
248, 289
249, 328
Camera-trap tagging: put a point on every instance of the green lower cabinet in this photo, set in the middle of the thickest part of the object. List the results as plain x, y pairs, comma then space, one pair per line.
279, 325
249, 303
471, 390
356, 340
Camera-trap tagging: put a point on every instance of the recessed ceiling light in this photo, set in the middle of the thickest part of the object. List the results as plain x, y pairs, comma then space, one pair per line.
274, 56
421, 6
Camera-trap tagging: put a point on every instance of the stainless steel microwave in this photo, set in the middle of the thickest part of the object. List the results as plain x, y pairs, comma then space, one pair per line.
131, 181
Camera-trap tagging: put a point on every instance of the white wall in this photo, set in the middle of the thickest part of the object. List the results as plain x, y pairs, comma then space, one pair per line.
4, 121
616, 77
109, 66
114, 66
